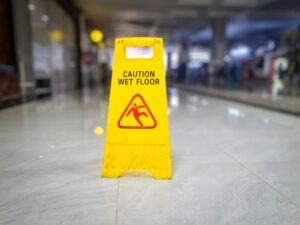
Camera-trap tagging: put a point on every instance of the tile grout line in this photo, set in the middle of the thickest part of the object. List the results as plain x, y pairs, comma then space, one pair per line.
263, 180
117, 205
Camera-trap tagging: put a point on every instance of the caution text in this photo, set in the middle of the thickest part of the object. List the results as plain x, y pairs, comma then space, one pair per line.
138, 78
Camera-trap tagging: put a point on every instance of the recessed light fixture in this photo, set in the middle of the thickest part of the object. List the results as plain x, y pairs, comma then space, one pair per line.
31, 7
45, 18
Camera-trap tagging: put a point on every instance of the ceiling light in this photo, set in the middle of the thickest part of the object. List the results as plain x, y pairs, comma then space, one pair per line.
45, 18
56, 35
96, 36
31, 7
241, 51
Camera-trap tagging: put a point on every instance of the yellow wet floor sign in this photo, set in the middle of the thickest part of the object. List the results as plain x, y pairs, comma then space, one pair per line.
137, 135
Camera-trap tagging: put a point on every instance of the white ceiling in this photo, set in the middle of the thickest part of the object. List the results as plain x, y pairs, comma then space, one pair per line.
167, 18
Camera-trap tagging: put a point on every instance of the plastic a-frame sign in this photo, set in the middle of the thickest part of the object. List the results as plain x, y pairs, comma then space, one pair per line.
137, 135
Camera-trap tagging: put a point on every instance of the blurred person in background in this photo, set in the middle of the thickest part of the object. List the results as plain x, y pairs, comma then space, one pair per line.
280, 65
293, 69
232, 72
183, 62
104, 59
220, 76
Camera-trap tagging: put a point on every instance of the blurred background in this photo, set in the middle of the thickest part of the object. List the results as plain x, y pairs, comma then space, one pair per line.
49, 47
233, 84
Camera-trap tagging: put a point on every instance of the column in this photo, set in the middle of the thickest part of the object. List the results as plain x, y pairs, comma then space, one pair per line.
218, 45
23, 45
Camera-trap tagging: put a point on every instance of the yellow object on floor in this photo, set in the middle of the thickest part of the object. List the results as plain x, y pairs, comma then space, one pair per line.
98, 130
137, 137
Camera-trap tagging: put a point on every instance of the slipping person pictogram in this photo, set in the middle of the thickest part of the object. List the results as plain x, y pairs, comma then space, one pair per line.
140, 112
135, 110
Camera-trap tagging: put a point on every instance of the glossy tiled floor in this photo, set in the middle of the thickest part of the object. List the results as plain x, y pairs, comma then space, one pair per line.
233, 164
284, 103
